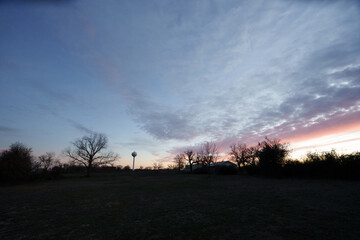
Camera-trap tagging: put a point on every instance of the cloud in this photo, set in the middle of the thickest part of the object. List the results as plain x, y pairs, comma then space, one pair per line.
80, 127
9, 130
56, 95
164, 124
46, 108
311, 147
310, 87
158, 120
232, 72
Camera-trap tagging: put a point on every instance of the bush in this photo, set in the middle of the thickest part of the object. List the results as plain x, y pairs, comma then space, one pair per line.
16, 163
324, 165
126, 168
271, 154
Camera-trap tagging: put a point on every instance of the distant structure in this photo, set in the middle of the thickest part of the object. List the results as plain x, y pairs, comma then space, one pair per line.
134, 154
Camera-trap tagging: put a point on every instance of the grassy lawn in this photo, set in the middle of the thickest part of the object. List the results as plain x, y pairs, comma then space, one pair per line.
181, 207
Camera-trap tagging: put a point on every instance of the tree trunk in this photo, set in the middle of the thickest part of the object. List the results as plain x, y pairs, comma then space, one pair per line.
88, 169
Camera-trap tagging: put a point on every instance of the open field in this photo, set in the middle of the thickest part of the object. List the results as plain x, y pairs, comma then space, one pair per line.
181, 207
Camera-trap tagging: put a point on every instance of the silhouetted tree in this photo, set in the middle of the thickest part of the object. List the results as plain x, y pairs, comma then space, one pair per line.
240, 154
271, 155
16, 162
253, 155
209, 153
157, 165
325, 164
172, 166
189, 157
198, 158
179, 161
47, 161
88, 151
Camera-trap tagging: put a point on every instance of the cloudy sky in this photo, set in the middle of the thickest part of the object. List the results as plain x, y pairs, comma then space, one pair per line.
160, 76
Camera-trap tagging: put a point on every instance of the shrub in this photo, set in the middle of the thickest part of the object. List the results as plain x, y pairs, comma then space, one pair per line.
16, 163
271, 154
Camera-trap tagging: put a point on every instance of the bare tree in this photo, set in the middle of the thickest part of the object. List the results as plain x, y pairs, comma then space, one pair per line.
199, 158
88, 151
157, 166
179, 161
190, 158
253, 155
240, 154
209, 153
46, 161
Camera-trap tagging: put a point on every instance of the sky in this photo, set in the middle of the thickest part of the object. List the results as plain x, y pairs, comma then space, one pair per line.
159, 77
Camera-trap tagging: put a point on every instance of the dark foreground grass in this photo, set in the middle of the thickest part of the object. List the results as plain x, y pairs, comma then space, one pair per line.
181, 207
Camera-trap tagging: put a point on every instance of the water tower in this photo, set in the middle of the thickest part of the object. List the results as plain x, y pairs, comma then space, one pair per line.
134, 154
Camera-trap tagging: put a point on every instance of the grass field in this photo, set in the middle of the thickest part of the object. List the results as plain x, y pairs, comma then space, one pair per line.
181, 207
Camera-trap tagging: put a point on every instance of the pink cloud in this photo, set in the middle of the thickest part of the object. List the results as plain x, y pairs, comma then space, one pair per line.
327, 144
337, 124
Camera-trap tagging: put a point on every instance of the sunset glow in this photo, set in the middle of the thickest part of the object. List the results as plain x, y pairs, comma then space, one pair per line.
159, 77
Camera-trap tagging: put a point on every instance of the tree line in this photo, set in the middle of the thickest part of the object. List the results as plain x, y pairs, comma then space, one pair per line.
89, 152
270, 157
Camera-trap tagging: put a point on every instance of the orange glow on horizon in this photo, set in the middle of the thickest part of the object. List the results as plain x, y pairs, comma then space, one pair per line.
332, 130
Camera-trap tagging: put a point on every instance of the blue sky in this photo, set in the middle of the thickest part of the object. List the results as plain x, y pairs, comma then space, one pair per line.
160, 76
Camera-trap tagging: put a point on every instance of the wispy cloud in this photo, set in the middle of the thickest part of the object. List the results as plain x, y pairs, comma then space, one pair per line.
80, 127
290, 81
188, 71
9, 130
55, 94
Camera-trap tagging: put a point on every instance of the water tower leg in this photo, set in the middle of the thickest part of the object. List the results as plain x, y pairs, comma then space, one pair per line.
133, 163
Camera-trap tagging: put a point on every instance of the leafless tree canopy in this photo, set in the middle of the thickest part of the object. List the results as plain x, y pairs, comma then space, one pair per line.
253, 151
189, 157
179, 161
240, 154
157, 166
208, 154
243, 155
89, 151
47, 161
